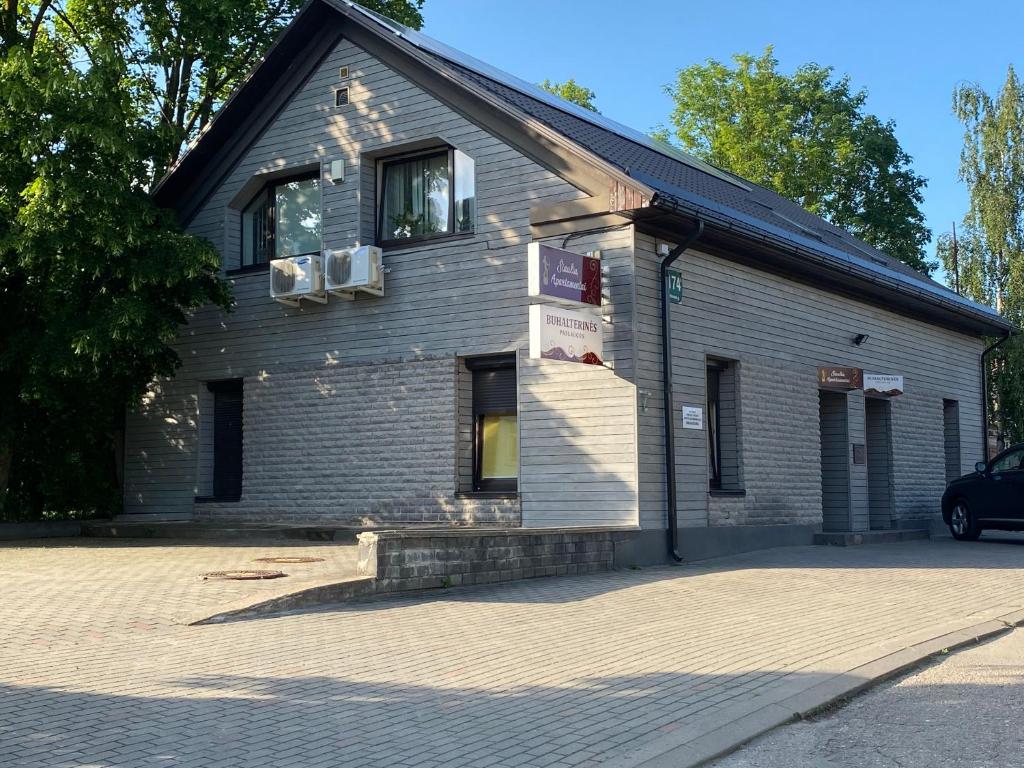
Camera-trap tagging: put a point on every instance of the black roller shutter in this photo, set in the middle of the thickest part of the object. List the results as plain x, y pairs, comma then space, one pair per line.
494, 391
227, 440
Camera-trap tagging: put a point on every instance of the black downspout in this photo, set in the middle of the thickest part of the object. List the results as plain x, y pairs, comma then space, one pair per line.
666, 386
984, 392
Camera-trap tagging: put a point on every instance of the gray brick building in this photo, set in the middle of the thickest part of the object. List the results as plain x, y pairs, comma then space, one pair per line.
424, 405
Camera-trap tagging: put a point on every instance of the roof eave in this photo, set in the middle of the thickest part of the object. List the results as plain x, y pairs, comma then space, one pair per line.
976, 321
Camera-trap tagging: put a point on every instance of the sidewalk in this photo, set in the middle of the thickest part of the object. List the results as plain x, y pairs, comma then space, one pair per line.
620, 669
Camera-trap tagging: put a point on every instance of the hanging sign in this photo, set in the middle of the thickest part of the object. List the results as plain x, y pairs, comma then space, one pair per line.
566, 334
675, 286
837, 377
561, 274
883, 384
693, 417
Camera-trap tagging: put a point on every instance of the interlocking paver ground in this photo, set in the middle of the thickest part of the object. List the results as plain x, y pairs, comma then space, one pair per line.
578, 671
81, 590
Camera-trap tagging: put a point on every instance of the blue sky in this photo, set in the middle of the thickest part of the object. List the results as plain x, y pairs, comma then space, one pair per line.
908, 54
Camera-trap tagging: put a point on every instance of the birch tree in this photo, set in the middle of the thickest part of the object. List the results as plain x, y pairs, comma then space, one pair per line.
989, 259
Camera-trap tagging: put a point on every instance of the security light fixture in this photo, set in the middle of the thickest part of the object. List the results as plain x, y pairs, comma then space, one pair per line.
860, 338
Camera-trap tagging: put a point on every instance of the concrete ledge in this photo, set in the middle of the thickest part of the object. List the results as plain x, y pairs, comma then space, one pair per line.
403, 560
856, 538
703, 741
45, 529
194, 530
719, 541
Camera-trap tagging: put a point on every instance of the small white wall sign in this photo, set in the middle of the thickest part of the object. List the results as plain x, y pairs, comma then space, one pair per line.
883, 384
693, 417
566, 334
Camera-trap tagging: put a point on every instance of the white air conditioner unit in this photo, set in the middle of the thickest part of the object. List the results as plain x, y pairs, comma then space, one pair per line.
355, 269
297, 277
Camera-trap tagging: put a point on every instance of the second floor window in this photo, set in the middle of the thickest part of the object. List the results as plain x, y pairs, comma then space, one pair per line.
426, 195
283, 220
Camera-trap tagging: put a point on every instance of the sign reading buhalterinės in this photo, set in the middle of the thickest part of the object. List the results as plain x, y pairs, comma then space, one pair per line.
572, 335
883, 384
559, 274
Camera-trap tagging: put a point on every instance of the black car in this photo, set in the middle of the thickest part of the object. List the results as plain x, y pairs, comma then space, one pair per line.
990, 497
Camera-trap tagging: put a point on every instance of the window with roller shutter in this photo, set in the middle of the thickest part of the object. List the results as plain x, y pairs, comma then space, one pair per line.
227, 439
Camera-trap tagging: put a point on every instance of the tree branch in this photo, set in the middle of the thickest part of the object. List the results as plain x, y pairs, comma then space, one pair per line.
36, 22
74, 30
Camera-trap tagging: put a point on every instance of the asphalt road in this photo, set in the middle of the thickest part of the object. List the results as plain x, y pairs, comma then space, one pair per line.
964, 710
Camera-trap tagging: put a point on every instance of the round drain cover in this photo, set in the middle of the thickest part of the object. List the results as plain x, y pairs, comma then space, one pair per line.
243, 575
288, 560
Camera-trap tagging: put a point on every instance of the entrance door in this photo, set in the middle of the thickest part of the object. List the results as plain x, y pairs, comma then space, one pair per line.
835, 462
878, 428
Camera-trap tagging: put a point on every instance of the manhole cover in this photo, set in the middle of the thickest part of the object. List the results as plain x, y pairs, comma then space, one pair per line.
288, 560
243, 575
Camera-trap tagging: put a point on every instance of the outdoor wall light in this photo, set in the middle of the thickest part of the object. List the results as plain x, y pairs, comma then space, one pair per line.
860, 338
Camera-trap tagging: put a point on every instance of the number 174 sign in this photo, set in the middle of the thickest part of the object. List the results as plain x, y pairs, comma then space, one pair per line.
675, 286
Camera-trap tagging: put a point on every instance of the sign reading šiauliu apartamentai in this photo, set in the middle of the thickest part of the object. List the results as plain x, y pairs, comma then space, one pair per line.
840, 377
561, 274
566, 334
883, 384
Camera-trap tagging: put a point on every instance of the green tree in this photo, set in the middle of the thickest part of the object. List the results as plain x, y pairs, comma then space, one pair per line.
989, 259
807, 137
572, 91
95, 280
187, 56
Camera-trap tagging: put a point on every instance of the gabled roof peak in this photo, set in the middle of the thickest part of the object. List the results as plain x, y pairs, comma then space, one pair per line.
454, 56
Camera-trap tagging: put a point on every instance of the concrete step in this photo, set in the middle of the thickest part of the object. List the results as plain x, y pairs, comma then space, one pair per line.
854, 538
191, 530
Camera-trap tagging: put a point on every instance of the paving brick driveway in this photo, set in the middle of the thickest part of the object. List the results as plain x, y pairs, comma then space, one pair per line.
590, 670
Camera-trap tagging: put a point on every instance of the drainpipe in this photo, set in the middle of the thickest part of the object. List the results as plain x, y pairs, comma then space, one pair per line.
666, 387
984, 391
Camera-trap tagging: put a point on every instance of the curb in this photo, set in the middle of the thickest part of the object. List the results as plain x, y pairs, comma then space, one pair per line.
696, 746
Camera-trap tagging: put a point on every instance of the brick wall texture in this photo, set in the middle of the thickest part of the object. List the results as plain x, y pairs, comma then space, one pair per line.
427, 560
360, 444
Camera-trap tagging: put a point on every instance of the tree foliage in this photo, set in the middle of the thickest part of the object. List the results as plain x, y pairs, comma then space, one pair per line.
989, 259
808, 137
572, 91
189, 55
95, 280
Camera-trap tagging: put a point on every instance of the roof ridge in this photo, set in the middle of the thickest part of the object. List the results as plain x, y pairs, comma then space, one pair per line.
452, 55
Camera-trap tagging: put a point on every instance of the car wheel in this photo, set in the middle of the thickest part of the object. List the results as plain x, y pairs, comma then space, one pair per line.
962, 524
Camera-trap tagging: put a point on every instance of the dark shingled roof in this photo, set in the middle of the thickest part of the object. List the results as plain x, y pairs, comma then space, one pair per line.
680, 182
683, 179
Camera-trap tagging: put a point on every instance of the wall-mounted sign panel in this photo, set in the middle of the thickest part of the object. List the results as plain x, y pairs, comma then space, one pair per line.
693, 417
883, 384
675, 286
572, 335
837, 377
564, 275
